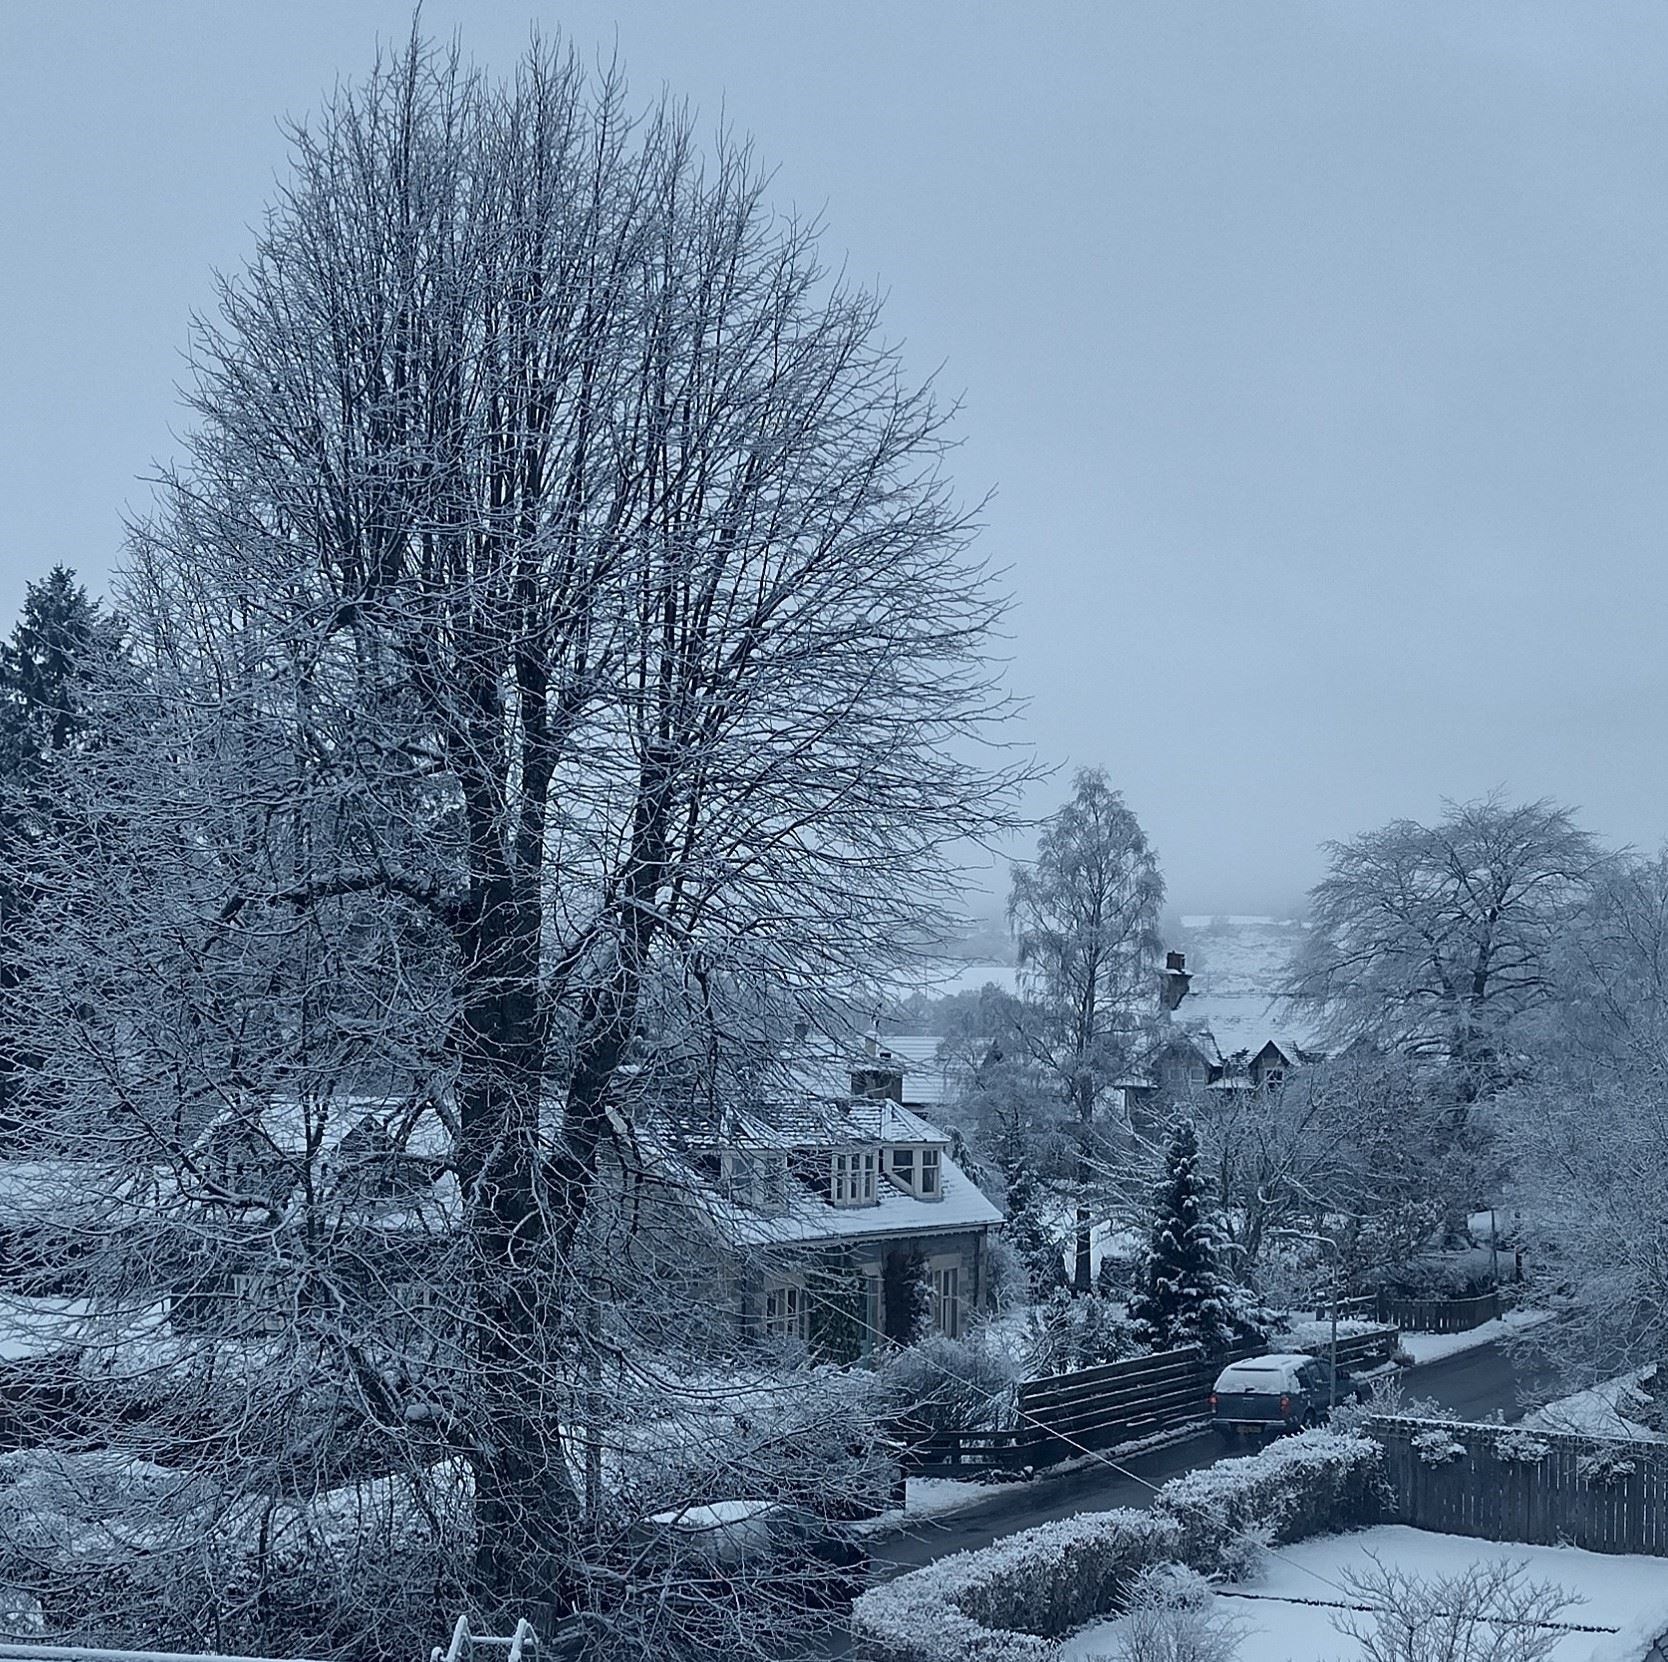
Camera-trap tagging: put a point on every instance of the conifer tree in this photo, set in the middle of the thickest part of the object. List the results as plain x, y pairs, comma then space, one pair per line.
46, 669
1181, 1298
1027, 1234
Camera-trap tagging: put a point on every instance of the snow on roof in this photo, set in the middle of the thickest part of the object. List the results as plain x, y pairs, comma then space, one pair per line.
926, 1079
809, 1218
1237, 963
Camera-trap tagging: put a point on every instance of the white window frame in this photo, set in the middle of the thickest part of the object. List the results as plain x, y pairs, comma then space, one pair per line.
921, 1158
852, 1175
786, 1311
946, 1296
930, 1160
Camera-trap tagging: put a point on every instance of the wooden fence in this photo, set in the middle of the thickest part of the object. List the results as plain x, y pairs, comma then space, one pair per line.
1439, 1315
1098, 1408
1492, 1481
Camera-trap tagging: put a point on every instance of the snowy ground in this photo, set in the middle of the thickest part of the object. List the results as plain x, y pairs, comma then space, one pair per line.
1286, 1622
1435, 1347
927, 1497
1596, 1412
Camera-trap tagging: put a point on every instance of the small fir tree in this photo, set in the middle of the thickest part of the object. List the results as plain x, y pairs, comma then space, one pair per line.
1181, 1298
1028, 1235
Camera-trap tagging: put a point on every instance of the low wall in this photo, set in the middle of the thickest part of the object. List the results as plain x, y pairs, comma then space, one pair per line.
1010, 1601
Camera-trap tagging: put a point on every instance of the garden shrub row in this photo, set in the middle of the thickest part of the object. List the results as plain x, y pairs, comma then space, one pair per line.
1009, 1601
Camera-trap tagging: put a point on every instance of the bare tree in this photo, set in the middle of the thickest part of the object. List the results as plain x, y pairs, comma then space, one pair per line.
1438, 940
562, 598
1085, 915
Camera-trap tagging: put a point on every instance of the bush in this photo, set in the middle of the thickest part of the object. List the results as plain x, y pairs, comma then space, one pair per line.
1311, 1484
1170, 1619
948, 1384
1005, 1602
1486, 1613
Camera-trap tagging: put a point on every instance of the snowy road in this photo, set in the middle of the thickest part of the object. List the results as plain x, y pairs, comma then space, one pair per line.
1474, 1384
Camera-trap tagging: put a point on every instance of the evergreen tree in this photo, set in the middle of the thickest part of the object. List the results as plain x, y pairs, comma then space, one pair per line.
1181, 1298
1027, 1234
46, 671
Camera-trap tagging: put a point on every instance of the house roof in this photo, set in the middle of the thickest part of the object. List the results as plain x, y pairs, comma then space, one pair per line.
808, 1219
926, 1080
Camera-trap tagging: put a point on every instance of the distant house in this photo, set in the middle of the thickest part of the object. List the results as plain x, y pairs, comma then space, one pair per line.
1214, 1028
838, 1212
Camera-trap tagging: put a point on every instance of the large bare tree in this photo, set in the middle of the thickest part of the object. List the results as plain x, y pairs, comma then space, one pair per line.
561, 598
1437, 940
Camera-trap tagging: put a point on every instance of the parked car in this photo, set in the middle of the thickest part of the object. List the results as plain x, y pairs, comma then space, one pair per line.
793, 1552
1265, 1395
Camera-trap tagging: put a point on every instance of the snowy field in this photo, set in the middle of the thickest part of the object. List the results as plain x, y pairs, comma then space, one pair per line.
1286, 1622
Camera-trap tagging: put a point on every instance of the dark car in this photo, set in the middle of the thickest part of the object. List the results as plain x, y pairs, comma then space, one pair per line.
1265, 1395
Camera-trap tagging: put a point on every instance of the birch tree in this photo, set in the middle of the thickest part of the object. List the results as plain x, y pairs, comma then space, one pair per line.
561, 597
1085, 916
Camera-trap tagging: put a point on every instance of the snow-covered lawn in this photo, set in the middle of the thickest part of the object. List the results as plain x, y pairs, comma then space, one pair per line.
1287, 1622
1596, 1412
1434, 1347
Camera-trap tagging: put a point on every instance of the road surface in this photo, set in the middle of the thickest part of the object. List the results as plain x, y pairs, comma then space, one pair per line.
1476, 1384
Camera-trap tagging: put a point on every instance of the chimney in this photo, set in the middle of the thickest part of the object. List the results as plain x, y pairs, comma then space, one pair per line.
1173, 981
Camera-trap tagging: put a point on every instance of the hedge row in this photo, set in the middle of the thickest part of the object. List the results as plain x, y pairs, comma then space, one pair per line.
1007, 1602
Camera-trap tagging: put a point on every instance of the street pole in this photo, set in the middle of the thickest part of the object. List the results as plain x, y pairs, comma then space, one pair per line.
1332, 1369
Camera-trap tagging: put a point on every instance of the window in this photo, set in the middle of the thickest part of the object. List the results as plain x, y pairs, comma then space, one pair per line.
929, 1172
787, 1312
1273, 1078
946, 1300
873, 1313
917, 1171
854, 1178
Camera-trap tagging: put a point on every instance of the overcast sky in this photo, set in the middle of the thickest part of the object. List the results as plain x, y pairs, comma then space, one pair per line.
1316, 354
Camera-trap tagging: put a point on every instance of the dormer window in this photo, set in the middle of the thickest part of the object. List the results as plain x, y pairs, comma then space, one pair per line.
853, 1178
916, 1171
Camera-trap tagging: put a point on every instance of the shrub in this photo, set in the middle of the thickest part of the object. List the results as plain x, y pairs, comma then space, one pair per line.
1306, 1485
1436, 1446
1005, 1602
1486, 1613
1605, 1467
1521, 1448
949, 1384
1171, 1619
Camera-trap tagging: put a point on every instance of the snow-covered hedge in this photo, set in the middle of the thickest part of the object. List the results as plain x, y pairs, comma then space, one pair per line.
1008, 1601
1311, 1484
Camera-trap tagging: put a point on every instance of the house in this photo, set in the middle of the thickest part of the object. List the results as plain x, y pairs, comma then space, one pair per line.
841, 1219
1213, 1028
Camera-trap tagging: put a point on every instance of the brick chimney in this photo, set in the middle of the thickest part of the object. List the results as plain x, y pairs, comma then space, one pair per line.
1173, 980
